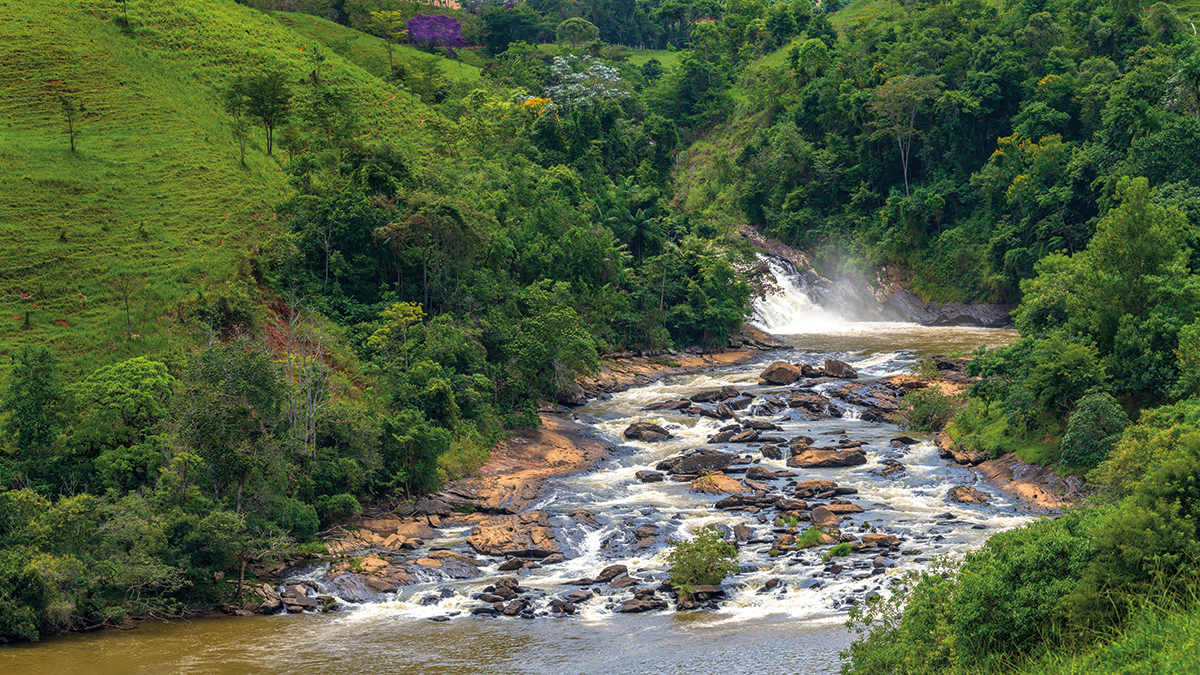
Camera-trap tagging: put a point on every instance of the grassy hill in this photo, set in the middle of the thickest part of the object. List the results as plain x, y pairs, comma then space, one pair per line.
155, 191
368, 51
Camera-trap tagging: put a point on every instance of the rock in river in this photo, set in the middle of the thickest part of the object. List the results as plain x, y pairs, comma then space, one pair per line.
719, 484
780, 373
820, 458
968, 495
526, 534
840, 369
646, 431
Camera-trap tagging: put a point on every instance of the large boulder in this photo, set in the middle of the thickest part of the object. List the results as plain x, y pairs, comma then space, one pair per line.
718, 484
823, 458
572, 395
352, 588
709, 395
646, 431
840, 369
781, 373
759, 473
527, 535
968, 495
823, 517
816, 405
416, 530
696, 462
611, 572
811, 488
881, 540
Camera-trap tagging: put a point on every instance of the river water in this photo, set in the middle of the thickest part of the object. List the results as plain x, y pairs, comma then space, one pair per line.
795, 627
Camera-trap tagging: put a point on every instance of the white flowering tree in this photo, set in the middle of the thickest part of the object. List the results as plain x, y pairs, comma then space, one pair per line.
583, 81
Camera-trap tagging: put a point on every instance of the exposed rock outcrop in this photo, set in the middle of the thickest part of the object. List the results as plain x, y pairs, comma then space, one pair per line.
526, 534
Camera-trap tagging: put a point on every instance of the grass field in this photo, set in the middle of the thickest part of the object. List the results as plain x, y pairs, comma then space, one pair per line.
639, 57
155, 190
368, 51
867, 11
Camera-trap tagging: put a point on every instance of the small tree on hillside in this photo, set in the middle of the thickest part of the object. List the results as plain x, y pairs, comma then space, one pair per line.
73, 110
125, 285
436, 31
576, 31
390, 26
265, 97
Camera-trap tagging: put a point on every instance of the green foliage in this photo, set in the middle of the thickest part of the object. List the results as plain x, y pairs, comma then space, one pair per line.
575, 31
840, 550
33, 400
1092, 430
809, 537
1062, 371
927, 409
702, 561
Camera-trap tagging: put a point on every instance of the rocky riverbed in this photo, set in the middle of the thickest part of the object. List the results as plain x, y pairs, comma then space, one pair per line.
763, 452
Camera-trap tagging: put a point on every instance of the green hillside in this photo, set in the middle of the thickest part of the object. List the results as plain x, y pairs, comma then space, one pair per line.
367, 51
155, 190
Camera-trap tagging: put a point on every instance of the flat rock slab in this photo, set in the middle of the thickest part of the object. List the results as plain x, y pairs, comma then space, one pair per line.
526, 535
821, 458
718, 484
968, 495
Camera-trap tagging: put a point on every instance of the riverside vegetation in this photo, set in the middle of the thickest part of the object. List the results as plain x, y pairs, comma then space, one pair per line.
229, 338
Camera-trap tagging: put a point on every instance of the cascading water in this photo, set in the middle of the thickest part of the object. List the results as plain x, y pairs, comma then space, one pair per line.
792, 310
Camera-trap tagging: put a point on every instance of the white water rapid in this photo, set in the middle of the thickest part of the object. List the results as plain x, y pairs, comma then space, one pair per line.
912, 505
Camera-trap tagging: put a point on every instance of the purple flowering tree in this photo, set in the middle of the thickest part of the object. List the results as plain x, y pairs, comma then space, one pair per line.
436, 31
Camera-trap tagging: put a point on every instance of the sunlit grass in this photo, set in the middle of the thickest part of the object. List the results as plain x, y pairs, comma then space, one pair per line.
155, 189
368, 51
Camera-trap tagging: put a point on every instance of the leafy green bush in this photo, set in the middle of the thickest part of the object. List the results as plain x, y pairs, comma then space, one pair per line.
1092, 430
809, 538
927, 410
703, 561
338, 507
842, 549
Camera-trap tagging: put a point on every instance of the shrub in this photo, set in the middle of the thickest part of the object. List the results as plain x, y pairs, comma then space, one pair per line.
1092, 430
809, 538
927, 410
842, 549
703, 561
338, 507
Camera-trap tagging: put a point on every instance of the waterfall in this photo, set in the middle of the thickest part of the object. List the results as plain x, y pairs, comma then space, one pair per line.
811, 304
793, 310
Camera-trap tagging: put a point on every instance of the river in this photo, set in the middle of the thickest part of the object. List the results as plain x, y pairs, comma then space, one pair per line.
795, 627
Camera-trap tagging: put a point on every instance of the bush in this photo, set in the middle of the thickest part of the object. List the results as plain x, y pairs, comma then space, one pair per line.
927, 410
703, 561
338, 507
1092, 430
842, 549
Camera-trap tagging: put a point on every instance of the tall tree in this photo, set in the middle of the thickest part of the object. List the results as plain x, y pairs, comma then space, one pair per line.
896, 105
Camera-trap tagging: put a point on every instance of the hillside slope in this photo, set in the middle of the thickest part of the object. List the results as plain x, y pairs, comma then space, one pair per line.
155, 190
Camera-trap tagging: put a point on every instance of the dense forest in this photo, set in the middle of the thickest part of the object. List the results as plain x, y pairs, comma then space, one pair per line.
320, 254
